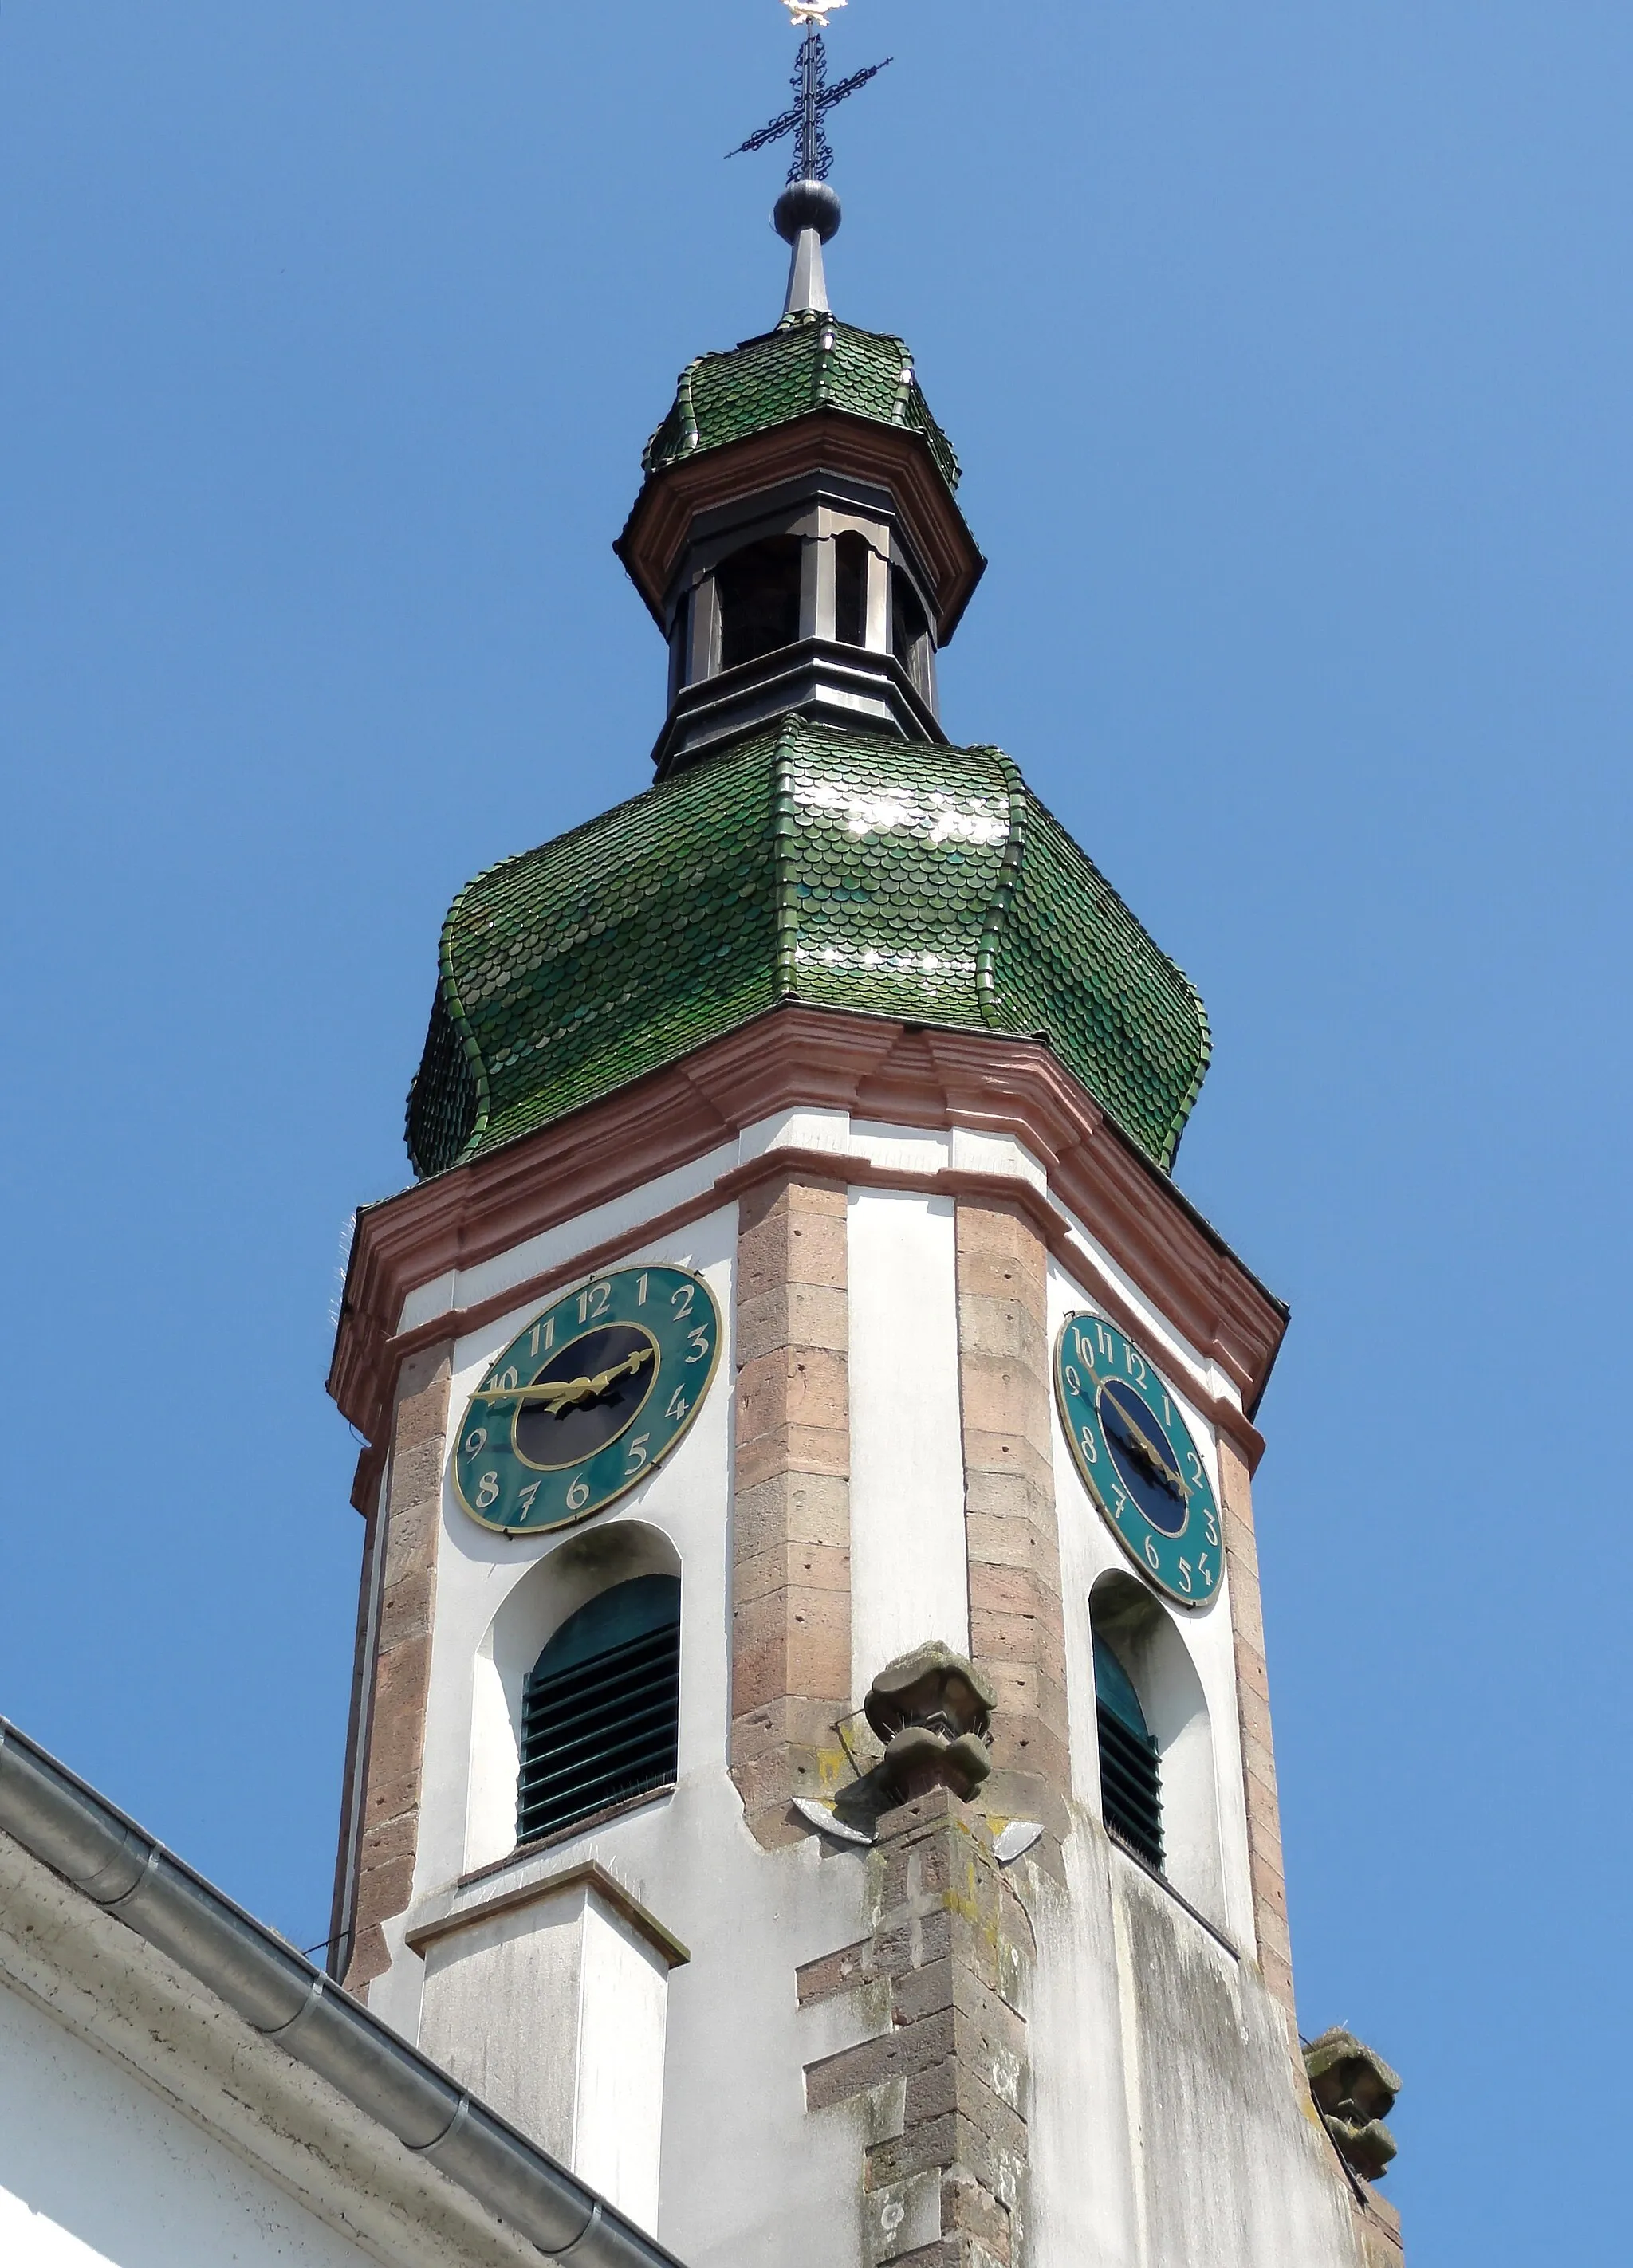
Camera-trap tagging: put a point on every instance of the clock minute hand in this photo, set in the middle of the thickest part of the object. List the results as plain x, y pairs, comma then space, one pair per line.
621, 1369
558, 1393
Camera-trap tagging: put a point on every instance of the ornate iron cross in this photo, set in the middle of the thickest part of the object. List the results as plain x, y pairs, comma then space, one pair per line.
813, 97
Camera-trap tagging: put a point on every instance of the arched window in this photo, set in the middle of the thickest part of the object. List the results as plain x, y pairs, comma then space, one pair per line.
1131, 1774
758, 591
850, 588
909, 631
600, 1709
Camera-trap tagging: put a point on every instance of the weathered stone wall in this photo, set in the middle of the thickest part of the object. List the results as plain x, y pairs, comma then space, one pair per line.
791, 1607
947, 2080
395, 1732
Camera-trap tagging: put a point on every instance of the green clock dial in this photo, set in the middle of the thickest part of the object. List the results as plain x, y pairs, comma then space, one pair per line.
586, 1399
1136, 1456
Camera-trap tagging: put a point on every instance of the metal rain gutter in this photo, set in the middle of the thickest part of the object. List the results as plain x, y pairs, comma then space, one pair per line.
277, 1990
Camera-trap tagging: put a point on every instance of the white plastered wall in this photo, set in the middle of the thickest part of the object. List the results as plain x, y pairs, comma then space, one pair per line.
577, 2065
1130, 2090
97, 2167
735, 2041
910, 1572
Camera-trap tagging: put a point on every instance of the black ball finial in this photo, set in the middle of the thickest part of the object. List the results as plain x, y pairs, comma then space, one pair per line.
807, 204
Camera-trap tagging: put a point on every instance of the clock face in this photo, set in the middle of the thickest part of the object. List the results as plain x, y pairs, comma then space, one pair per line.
1135, 1453
586, 1399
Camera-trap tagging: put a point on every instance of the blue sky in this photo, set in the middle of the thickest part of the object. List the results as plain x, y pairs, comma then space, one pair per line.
1288, 351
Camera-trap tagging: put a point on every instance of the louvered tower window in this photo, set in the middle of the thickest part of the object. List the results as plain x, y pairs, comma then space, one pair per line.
1131, 1785
599, 1713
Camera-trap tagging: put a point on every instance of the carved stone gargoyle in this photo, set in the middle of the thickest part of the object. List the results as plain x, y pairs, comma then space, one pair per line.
1355, 2091
933, 1710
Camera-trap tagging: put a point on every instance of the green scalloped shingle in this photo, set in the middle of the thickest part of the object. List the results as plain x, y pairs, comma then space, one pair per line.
840, 869
808, 362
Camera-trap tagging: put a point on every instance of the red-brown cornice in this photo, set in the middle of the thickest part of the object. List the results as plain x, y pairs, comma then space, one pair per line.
794, 1058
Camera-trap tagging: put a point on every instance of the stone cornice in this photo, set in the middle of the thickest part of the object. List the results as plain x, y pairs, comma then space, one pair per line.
796, 1058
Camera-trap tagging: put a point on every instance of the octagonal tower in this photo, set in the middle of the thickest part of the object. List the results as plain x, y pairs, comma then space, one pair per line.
811, 1763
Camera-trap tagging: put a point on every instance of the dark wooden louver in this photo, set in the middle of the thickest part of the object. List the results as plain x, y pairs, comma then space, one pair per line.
1131, 1785
599, 1727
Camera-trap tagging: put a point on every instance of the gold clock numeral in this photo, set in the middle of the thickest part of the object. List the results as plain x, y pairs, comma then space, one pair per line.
1152, 1559
681, 1298
1185, 1574
635, 1455
593, 1301
547, 1325
1090, 1451
678, 1404
524, 1502
699, 1341
578, 1495
487, 1490
476, 1442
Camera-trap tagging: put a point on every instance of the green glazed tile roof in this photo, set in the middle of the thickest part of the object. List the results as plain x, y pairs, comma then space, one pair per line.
809, 864
808, 362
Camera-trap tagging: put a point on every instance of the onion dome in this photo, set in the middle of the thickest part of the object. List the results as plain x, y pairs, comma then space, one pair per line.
810, 362
802, 863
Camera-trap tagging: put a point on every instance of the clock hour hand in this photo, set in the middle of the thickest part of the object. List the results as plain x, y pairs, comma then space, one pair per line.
1147, 1454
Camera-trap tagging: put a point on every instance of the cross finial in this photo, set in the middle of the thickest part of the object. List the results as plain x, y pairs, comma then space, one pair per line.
807, 212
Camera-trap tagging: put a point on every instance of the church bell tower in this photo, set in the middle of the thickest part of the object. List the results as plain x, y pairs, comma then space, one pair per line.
811, 1765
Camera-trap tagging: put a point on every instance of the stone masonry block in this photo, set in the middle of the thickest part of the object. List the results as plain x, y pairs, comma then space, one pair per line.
793, 1247
903, 2053
792, 1508
1011, 1454
415, 1476
969, 2205
793, 1314
789, 1719
900, 2220
793, 1386
1005, 1330
1252, 1674
405, 1608
392, 1799
385, 1889
1268, 1888
781, 1195
793, 1567
795, 1448
835, 1973
791, 1642
1247, 1614
1004, 1397
1002, 1540
412, 1541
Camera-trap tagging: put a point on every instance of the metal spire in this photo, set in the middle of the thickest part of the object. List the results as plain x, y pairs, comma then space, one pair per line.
807, 212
